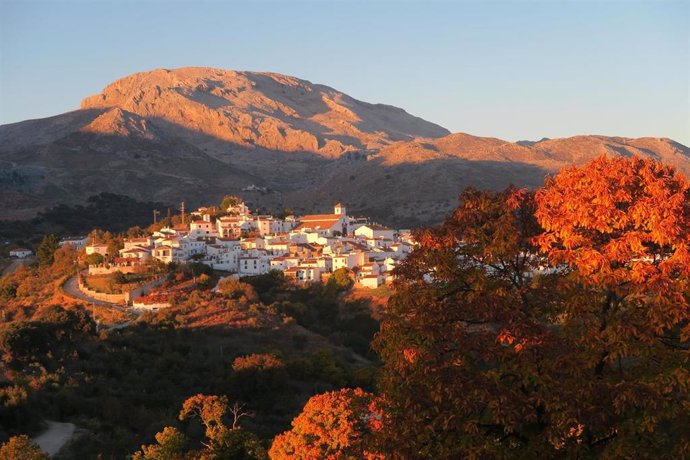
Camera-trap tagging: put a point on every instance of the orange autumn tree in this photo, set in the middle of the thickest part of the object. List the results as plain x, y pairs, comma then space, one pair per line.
21, 448
554, 326
463, 338
620, 228
334, 426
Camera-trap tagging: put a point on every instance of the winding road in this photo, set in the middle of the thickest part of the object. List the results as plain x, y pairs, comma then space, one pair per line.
71, 287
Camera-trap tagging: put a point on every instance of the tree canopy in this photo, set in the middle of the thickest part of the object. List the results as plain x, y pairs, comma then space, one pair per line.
554, 325
21, 448
334, 426
228, 201
46, 249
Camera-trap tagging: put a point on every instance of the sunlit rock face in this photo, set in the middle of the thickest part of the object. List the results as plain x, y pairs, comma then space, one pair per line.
268, 110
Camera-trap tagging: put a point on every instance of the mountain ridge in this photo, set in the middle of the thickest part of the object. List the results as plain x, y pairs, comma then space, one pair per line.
264, 109
200, 133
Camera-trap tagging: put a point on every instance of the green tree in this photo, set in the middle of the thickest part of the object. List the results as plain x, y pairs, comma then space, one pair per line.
235, 289
341, 279
114, 246
240, 444
94, 259
259, 378
21, 448
225, 442
136, 232
204, 281
120, 278
8, 288
170, 446
46, 249
229, 200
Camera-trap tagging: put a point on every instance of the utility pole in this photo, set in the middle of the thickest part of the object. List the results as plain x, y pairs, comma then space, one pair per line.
182, 211
156, 213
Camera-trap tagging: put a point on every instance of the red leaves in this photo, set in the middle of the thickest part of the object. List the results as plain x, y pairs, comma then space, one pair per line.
614, 213
548, 327
333, 426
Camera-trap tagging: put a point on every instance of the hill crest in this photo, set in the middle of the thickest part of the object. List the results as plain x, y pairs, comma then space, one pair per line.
262, 109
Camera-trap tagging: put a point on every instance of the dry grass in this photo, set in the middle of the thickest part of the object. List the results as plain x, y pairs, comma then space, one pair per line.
107, 284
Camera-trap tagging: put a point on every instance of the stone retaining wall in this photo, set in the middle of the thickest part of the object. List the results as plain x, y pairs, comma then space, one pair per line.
123, 298
103, 270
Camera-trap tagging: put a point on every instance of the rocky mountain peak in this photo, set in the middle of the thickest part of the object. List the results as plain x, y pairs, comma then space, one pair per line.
268, 110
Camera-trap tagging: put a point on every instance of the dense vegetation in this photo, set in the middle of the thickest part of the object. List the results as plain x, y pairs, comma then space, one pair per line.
123, 385
105, 210
547, 324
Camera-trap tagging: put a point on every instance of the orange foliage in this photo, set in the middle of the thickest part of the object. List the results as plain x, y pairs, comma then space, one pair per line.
553, 325
334, 426
622, 226
257, 361
210, 409
618, 220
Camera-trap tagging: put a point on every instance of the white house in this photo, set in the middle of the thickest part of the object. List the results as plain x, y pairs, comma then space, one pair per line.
325, 224
252, 265
278, 247
253, 243
302, 274
136, 252
375, 231
164, 253
20, 253
369, 281
98, 248
220, 258
284, 262
348, 260
77, 242
202, 228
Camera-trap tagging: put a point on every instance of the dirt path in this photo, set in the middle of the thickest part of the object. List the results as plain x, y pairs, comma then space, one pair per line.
56, 436
15, 265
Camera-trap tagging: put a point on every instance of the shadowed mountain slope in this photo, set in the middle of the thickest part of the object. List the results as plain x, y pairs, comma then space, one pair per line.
196, 134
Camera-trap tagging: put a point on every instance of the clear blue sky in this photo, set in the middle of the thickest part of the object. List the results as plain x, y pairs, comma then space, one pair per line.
514, 70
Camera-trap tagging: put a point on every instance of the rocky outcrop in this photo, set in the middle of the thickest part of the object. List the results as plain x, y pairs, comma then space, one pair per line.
273, 111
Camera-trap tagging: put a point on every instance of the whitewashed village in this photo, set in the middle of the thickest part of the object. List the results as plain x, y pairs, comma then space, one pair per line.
306, 249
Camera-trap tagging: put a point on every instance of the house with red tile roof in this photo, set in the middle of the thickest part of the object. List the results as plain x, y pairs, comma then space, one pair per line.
325, 224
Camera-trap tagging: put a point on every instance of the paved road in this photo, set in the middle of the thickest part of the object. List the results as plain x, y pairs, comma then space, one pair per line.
71, 287
56, 436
